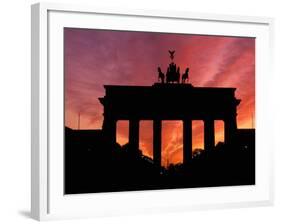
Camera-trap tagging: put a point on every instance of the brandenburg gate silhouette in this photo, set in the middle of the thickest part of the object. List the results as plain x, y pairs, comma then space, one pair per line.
166, 101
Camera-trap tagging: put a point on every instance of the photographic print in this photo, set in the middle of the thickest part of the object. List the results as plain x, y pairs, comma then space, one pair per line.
152, 111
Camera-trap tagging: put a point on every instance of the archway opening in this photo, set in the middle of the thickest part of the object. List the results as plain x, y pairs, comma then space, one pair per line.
146, 138
122, 132
197, 137
172, 143
219, 131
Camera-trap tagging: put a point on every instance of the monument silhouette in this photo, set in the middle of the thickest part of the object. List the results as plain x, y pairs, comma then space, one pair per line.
94, 162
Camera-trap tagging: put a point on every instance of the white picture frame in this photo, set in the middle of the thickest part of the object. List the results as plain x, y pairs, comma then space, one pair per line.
47, 198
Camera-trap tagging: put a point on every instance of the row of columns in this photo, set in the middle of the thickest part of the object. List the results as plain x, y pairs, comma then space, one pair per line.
209, 136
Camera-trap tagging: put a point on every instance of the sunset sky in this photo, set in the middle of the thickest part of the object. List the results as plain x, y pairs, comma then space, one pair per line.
94, 58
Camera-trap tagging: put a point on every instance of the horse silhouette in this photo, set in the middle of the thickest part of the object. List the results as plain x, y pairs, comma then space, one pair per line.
185, 76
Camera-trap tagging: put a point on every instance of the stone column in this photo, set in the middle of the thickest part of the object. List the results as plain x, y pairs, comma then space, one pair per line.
187, 141
157, 128
209, 134
134, 134
230, 128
